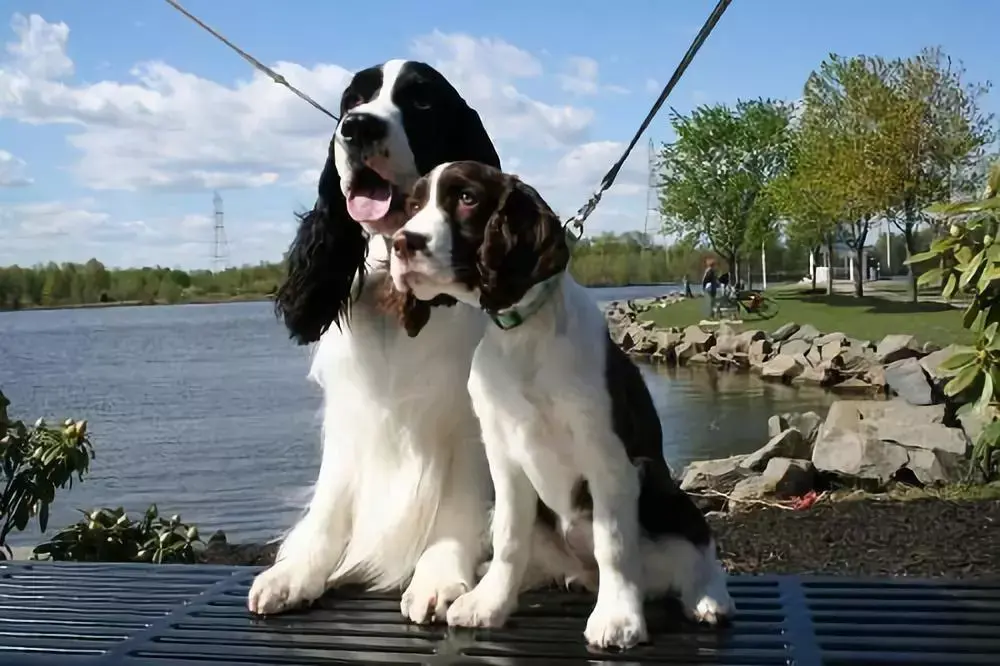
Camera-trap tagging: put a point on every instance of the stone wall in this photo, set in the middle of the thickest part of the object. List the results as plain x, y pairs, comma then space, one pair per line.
901, 428
794, 353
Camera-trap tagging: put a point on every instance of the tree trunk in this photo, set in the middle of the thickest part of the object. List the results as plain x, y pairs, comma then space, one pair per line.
829, 267
859, 271
910, 239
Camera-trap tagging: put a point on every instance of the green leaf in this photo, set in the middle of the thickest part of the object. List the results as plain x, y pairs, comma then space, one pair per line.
963, 380
990, 331
921, 257
971, 271
990, 273
987, 394
931, 276
961, 358
963, 255
950, 286
970, 314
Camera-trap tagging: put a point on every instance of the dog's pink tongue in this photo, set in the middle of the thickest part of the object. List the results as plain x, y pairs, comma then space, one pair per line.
368, 204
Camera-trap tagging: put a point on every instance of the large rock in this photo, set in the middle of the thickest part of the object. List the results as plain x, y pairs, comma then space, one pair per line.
786, 444
807, 423
795, 347
782, 477
896, 347
831, 350
721, 474
759, 351
932, 364
906, 377
702, 340
746, 338
784, 332
827, 338
874, 440
807, 332
781, 367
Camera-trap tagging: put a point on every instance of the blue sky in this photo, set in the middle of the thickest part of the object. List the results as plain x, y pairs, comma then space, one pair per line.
118, 119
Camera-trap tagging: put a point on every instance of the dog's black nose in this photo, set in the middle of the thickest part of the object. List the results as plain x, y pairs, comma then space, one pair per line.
407, 243
363, 129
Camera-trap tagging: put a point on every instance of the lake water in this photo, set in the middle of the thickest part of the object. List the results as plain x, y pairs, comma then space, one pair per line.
206, 411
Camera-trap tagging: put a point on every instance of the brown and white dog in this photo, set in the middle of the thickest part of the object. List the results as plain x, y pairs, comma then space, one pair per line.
572, 437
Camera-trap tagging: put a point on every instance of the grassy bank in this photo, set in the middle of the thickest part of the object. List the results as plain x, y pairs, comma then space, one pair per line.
867, 318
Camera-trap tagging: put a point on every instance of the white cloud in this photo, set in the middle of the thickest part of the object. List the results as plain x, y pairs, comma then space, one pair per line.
584, 166
12, 171
484, 71
652, 86
166, 129
78, 230
583, 78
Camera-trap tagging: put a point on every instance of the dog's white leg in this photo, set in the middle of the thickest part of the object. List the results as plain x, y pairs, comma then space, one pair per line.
491, 602
673, 565
313, 548
617, 618
446, 568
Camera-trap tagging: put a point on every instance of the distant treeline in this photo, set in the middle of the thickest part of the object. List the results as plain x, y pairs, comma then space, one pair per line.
604, 260
55, 285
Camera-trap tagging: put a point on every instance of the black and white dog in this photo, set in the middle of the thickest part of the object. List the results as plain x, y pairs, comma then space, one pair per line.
572, 437
403, 492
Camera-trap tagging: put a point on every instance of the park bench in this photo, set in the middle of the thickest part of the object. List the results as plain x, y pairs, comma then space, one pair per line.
102, 614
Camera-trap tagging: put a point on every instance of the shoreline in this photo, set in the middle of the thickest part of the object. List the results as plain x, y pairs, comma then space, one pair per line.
255, 298
248, 298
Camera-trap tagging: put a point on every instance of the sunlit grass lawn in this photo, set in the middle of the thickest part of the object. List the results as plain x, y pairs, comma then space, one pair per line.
868, 318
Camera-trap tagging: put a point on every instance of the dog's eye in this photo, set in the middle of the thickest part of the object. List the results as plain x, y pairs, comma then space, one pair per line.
413, 207
467, 198
351, 100
421, 104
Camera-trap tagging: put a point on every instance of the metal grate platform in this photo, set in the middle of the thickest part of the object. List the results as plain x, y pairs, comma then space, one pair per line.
105, 614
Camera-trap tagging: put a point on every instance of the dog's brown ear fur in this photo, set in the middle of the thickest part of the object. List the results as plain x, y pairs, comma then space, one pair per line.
412, 314
524, 243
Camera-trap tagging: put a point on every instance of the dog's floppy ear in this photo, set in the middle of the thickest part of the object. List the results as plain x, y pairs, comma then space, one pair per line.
412, 313
471, 135
328, 252
523, 244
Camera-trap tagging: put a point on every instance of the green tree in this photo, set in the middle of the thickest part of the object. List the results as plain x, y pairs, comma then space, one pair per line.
712, 176
805, 199
850, 124
941, 137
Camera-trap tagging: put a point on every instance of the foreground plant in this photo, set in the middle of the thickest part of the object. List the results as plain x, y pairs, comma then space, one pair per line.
969, 263
36, 461
110, 535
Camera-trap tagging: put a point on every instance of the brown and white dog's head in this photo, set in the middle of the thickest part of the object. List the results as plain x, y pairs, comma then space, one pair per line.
477, 234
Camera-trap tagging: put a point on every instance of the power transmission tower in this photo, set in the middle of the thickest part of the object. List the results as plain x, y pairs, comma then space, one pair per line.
220, 247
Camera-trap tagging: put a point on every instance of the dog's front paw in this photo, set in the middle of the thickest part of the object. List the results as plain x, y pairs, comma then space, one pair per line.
427, 597
287, 584
711, 604
616, 624
483, 606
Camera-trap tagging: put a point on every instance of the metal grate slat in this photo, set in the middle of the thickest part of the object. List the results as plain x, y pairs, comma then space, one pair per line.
129, 614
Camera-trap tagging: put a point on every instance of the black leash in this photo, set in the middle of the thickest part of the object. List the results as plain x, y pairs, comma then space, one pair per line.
274, 76
585, 211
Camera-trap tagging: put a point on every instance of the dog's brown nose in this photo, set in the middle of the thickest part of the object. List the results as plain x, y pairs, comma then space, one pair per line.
407, 243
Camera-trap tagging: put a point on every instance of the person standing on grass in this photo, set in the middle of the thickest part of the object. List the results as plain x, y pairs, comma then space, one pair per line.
710, 286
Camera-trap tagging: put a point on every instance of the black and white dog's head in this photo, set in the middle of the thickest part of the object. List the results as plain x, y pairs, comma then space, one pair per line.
478, 235
398, 121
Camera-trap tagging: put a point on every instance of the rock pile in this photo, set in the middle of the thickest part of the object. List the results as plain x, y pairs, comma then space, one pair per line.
861, 443
792, 353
